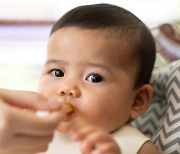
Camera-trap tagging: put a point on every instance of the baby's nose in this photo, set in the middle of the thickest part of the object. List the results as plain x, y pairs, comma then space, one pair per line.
69, 91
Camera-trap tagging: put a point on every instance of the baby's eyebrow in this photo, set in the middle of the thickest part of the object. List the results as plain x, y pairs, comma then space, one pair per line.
54, 61
99, 66
89, 64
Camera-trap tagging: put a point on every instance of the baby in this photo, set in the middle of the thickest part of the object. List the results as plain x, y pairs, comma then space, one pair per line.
99, 60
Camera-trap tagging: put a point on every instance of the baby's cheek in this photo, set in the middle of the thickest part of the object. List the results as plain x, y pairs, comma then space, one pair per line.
107, 118
95, 116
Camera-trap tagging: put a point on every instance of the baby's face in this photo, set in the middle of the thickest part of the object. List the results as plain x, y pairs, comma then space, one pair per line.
90, 70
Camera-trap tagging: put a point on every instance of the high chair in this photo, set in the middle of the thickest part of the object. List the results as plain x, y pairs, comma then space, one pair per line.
162, 120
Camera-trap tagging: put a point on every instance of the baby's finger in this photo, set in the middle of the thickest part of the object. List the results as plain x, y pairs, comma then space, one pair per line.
98, 136
90, 142
80, 133
87, 147
107, 147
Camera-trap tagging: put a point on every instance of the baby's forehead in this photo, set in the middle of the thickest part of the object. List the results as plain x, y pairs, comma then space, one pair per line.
126, 46
112, 44
124, 49
123, 42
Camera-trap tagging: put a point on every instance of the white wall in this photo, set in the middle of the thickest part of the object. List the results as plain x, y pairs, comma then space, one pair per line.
151, 12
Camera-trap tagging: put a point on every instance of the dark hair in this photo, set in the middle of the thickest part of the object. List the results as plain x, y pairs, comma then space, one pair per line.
104, 16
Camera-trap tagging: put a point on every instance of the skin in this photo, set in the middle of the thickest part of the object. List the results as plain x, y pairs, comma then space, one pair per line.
74, 57
21, 131
94, 140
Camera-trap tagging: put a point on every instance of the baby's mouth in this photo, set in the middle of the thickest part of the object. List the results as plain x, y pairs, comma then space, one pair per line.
69, 111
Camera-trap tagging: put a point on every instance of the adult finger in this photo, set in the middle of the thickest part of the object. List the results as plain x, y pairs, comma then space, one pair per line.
30, 150
29, 100
28, 142
29, 123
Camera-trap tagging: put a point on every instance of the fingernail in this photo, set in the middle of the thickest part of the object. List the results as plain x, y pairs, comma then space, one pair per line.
55, 103
41, 113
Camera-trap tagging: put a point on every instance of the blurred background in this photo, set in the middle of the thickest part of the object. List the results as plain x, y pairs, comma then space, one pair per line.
25, 26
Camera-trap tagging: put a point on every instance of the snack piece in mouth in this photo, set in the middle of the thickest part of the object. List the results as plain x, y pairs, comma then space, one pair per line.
69, 112
69, 108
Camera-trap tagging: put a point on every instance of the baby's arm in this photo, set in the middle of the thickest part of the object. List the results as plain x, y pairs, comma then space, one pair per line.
94, 140
148, 148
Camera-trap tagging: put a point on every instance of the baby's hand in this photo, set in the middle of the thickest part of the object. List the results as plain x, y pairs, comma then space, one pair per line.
94, 140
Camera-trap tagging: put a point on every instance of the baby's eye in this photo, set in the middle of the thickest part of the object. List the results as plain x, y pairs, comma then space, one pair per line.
57, 73
94, 78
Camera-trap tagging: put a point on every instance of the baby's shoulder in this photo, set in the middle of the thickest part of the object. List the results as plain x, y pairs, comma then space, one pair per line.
148, 148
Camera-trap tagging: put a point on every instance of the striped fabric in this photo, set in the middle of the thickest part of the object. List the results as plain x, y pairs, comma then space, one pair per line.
162, 121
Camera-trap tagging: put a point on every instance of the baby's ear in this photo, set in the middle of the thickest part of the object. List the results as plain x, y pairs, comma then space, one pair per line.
142, 100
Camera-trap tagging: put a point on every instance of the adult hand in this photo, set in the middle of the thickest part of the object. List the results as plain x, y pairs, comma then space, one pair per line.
22, 131
28, 100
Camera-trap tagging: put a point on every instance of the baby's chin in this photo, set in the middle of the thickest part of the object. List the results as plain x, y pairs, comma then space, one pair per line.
64, 127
